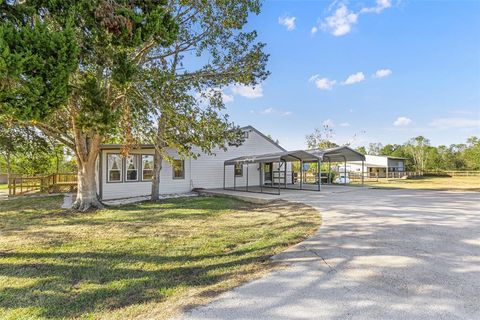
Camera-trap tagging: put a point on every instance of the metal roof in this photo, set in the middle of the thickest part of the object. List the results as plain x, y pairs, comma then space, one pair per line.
151, 146
338, 154
277, 156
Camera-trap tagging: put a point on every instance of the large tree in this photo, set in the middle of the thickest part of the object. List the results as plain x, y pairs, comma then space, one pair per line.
417, 148
183, 94
472, 153
71, 69
321, 138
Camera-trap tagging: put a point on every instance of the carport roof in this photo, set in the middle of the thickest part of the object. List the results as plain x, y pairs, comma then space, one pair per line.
277, 156
338, 154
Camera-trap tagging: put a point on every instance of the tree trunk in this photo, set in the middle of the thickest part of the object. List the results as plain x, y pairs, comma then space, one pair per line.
9, 167
158, 158
87, 148
87, 188
157, 168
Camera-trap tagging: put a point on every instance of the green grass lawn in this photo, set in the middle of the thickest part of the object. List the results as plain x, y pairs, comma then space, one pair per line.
433, 183
3, 186
149, 260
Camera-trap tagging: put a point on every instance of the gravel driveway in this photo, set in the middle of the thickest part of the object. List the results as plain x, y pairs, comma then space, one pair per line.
380, 254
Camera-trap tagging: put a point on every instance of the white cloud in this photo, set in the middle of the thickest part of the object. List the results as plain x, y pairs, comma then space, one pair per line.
344, 124
341, 22
314, 30
329, 123
382, 73
273, 111
354, 78
448, 123
248, 91
379, 7
402, 122
212, 91
288, 22
267, 111
227, 97
322, 83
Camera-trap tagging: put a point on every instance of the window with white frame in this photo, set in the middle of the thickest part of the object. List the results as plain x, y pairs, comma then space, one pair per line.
178, 167
114, 168
131, 167
147, 167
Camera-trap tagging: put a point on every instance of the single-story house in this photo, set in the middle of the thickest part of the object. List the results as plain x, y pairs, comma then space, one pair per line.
380, 166
122, 177
259, 162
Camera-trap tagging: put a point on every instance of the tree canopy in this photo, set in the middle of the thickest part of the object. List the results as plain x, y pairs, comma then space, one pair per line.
183, 93
421, 155
70, 69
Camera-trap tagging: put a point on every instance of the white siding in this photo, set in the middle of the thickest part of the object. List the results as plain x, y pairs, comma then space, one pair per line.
207, 171
377, 162
116, 190
204, 172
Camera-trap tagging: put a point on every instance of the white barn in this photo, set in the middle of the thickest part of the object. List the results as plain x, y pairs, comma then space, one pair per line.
381, 166
123, 177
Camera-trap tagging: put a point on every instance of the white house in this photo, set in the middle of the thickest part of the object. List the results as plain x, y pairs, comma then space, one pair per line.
122, 177
380, 166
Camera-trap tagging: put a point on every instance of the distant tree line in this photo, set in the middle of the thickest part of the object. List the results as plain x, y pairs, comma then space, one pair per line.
421, 155
25, 150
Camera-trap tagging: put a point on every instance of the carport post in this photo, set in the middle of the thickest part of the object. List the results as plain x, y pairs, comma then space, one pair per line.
319, 174
234, 179
345, 171
329, 170
278, 178
285, 173
247, 177
301, 174
363, 174
223, 176
261, 176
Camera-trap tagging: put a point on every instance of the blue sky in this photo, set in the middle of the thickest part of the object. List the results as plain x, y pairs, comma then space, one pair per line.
383, 71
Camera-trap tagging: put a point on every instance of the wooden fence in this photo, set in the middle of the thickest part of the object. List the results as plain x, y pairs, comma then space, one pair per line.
453, 173
375, 177
57, 182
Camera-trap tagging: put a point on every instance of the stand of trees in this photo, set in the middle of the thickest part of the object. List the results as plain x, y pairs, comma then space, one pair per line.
24, 150
92, 71
421, 155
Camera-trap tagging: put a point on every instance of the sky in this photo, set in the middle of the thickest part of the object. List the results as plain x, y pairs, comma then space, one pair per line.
376, 71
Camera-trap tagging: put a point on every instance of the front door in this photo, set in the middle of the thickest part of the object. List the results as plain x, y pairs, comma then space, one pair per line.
268, 170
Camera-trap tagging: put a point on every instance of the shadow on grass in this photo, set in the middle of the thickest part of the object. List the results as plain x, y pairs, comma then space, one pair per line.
58, 277
106, 285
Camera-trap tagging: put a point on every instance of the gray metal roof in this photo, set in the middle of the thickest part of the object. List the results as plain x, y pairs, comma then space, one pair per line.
338, 154
277, 156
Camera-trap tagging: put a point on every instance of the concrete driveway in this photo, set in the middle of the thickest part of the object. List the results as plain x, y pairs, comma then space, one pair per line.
3, 194
380, 254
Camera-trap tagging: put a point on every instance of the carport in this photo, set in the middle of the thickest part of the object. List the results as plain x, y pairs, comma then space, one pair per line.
271, 172
274, 172
343, 155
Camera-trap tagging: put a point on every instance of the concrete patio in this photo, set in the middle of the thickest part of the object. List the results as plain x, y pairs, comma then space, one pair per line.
379, 254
